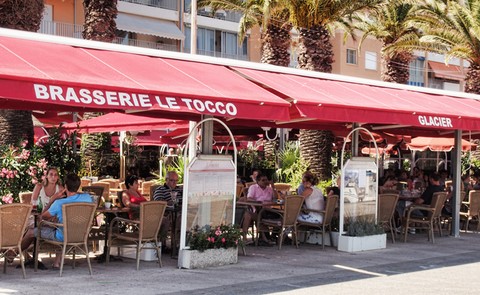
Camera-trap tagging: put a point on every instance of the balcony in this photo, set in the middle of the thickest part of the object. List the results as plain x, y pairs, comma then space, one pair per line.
166, 4
75, 31
222, 54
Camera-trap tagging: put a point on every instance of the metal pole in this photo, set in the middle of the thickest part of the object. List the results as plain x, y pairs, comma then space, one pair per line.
457, 170
355, 137
193, 31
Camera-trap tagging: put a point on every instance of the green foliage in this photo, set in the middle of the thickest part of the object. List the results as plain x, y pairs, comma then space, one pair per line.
323, 185
292, 165
58, 151
207, 237
363, 225
252, 158
470, 164
21, 169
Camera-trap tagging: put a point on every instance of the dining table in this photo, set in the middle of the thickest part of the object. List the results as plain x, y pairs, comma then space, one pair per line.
110, 214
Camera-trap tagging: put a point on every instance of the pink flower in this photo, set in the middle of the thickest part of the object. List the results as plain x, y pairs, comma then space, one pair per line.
218, 232
24, 143
7, 199
223, 240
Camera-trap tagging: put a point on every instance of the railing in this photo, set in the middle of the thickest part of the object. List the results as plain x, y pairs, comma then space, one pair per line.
222, 54
231, 16
167, 4
75, 31
145, 44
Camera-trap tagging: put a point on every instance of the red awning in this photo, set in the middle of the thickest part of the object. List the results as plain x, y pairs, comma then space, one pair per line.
115, 122
441, 70
49, 76
438, 144
340, 101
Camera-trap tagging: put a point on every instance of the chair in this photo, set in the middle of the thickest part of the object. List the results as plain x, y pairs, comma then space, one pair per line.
434, 211
114, 183
387, 203
106, 189
152, 190
472, 208
282, 189
95, 191
25, 197
249, 184
85, 182
287, 219
240, 191
326, 225
146, 185
13, 221
77, 222
151, 215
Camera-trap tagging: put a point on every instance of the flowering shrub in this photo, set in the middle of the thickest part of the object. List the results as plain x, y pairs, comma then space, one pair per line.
207, 237
20, 170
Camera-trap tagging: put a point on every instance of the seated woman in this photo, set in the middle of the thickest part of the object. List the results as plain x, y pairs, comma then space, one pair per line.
313, 200
389, 184
131, 197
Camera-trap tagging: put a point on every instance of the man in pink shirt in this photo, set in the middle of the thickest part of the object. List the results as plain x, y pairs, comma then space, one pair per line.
260, 192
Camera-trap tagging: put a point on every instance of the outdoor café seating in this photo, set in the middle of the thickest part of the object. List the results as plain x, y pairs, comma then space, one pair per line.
326, 225
13, 221
142, 233
77, 222
472, 209
387, 203
428, 221
25, 197
286, 221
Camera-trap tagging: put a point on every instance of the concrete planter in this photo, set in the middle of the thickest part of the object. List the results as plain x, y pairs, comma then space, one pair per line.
356, 244
207, 258
315, 238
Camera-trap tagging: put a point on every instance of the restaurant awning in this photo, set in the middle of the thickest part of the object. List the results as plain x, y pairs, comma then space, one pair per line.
438, 144
334, 100
148, 26
115, 122
441, 70
50, 76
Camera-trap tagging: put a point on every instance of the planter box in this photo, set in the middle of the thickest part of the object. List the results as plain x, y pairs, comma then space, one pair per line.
315, 238
355, 244
130, 252
207, 258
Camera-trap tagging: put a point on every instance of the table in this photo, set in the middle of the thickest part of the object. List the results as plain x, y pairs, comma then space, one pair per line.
258, 207
173, 210
110, 214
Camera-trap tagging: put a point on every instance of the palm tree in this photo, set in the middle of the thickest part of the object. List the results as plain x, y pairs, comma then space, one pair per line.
99, 26
315, 21
266, 14
21, 15
452, 27
391, 24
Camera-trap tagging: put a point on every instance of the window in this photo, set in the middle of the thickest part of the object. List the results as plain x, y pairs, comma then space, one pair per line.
416, 71
370, 60
351, 56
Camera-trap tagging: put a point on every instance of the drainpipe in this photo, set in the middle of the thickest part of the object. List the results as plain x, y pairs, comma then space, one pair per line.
181, 9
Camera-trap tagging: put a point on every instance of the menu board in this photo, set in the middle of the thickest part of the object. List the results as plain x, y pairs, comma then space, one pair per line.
209, 193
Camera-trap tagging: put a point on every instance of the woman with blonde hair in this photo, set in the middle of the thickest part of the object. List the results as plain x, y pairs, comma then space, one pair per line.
48, 190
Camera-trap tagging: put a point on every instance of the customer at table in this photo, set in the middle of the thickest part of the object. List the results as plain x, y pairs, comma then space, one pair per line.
164, 193
54, 212
433, 187
50, 187
313, 200
131, 197
259, 192
389, 184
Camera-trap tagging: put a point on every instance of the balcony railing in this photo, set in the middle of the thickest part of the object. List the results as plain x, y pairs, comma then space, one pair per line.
167, 4
222, 54
75, 31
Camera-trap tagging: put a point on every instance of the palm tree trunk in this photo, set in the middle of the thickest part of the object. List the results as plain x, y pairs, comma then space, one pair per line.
23, 15
276, 45
315, 54
471, 79
396, 69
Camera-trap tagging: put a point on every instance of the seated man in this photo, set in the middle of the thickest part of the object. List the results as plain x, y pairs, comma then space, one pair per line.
53, 212
260, 192
167, 192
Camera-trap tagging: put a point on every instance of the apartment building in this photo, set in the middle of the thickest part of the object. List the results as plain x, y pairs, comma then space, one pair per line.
165, 24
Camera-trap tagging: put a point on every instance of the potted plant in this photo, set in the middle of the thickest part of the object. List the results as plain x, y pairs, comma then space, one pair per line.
211, 246
362, 233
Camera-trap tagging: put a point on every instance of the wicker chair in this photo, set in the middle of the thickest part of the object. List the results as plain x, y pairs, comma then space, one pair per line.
282, 189
85, 182
287, 219
151, 215
434, 211
25, 197
472, 208
106, 189
77, 222
13, 221
146, 185
325, 226
114, 183
387, 203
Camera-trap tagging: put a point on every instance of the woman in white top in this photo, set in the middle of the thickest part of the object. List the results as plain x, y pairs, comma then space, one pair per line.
48, 190
313, 200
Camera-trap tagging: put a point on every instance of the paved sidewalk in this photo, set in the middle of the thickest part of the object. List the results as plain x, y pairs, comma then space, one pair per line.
450, 265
